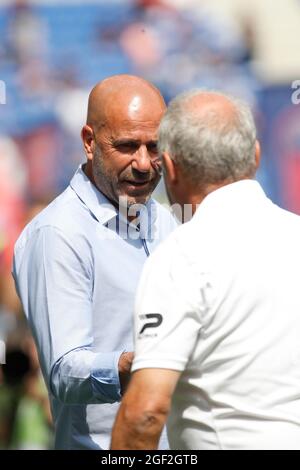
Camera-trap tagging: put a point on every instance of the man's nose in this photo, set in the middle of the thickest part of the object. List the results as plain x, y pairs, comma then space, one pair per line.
142, 160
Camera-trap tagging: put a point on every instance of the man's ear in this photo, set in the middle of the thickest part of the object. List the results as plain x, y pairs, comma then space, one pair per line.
169, 167
257, 154
87, 136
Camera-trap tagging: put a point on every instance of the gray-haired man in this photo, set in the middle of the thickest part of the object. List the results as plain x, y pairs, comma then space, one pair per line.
222, 348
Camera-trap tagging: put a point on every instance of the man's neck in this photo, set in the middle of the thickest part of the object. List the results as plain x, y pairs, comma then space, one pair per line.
196, 198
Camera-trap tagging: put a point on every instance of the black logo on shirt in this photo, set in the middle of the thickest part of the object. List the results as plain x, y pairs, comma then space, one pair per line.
156, 318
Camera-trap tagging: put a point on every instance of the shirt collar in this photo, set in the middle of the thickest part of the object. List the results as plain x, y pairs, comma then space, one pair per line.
102, 209
236, 194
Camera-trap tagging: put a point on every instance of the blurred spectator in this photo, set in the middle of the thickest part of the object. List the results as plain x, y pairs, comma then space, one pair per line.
13, 373
26, 32
13, 179
25, 419
186, 48
41, 153
70, 108
271, 29
32, 426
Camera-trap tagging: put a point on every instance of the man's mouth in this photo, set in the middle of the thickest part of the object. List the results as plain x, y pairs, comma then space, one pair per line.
138, 184
137, 188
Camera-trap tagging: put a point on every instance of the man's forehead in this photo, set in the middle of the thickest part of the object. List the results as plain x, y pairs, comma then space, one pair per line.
132, 127
135, 112
132, 117
131, 132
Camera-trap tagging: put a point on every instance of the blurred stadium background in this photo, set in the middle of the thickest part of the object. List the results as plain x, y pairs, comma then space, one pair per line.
53, 52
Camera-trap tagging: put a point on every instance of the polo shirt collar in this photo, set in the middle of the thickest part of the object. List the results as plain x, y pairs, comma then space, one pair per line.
239, 193
102, 209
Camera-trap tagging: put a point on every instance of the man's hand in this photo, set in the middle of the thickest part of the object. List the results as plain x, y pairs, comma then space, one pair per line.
125, 362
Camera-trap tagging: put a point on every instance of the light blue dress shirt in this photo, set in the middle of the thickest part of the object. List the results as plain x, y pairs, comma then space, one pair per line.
76, 268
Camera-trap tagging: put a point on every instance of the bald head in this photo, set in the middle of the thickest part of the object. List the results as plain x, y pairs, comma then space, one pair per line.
120, 138
122, 95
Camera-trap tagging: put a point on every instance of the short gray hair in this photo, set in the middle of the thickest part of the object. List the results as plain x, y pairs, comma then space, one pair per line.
209, 149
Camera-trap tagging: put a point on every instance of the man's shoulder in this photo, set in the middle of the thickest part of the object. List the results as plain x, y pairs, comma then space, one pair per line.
56, 213
64, 215
172, 263
172, 246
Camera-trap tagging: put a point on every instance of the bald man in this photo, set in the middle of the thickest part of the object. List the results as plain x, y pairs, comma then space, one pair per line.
77, 264
223, 364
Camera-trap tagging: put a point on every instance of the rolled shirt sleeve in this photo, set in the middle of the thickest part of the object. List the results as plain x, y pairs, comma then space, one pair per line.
54, 278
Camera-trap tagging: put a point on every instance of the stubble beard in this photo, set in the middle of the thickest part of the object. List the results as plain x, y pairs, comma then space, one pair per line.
108, 184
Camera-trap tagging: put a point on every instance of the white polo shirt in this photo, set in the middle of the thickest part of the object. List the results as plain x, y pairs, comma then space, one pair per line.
220, 301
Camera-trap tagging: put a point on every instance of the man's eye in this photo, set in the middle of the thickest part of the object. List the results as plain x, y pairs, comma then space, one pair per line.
127, 147
153, 148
